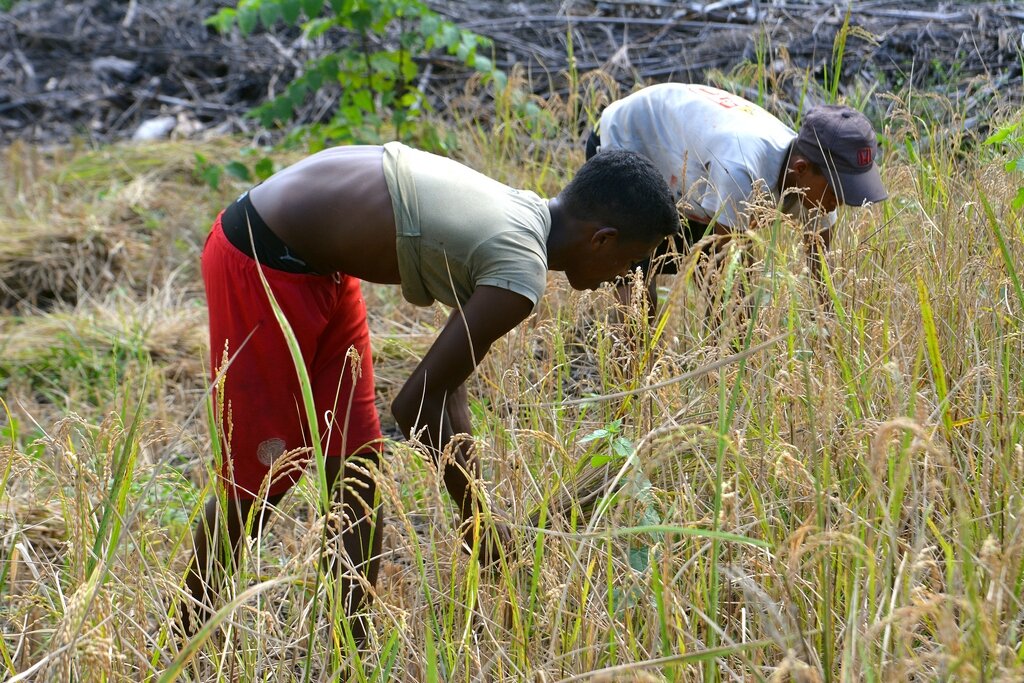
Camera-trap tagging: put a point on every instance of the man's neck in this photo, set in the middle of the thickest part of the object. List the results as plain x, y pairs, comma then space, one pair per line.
556, 244
780, 185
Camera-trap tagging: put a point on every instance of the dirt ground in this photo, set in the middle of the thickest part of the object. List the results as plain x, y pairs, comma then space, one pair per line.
100, 69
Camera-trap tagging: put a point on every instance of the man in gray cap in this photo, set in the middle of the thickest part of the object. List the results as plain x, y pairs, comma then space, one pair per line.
719, 153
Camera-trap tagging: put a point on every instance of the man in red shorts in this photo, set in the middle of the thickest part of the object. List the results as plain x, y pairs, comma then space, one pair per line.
390, 215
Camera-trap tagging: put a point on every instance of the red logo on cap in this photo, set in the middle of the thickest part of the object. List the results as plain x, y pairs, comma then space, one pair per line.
864, 156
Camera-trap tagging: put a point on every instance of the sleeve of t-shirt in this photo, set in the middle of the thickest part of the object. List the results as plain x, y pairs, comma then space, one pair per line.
510, 262
729, 189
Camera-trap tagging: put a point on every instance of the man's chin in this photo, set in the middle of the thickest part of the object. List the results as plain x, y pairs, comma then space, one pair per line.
583, 287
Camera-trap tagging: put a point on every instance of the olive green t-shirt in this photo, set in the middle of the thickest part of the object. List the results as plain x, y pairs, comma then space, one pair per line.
457, 229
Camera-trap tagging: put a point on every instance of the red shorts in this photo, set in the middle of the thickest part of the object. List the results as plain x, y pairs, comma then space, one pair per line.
258, 404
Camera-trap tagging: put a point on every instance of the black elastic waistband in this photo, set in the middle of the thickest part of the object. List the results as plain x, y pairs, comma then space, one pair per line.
270, 251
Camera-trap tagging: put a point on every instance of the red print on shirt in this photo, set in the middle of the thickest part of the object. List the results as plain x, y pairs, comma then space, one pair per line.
722, 99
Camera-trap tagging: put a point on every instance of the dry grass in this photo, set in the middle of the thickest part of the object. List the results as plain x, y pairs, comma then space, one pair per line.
845, 504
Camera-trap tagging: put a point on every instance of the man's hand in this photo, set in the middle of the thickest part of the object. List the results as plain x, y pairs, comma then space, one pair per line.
432, 403
493, 540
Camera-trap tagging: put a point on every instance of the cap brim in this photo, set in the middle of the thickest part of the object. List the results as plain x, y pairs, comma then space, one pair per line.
858, 189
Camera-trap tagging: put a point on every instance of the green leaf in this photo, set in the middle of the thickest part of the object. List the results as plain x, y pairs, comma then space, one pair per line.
238, 170
384, 62
296, 92
317, 27
352, 116
282, 109
432, 675
610, 429
1001, 135
1018, 202
387, 658
211, 176
314, 79
500, 79
264, 168
596, 434
363, 99
270, 12
409, 69
312, 8
430, 24
450, 36
247, 18
223, 20
412, 99
483, 64
265, 114
359, 20
622, 447
340, 6
626, 599
290, 11
209, 173
695, 532
639, 558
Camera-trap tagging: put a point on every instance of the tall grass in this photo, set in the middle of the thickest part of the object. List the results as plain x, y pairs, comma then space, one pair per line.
841, 504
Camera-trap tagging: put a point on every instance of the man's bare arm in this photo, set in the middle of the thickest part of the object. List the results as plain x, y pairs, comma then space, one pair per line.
432, 403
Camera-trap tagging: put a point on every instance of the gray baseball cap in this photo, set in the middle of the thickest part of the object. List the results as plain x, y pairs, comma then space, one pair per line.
841, 141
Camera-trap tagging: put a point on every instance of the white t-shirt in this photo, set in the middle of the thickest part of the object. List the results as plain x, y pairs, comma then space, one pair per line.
457, 229
716, 150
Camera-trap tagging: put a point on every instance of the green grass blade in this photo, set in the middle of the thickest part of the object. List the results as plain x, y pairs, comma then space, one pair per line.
307, 391
212, 624
934, 355
1004, 251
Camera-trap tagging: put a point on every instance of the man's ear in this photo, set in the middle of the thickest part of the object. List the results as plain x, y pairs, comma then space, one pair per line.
604, 234
798, 166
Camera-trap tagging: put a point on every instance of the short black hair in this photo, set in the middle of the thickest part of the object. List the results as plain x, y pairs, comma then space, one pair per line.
624, 190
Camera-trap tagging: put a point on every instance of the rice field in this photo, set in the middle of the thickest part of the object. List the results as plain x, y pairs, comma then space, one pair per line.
810, 493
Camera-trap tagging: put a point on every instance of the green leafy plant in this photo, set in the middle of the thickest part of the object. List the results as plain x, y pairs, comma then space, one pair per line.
374, 70
212, 173
618, 446
1010, 138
